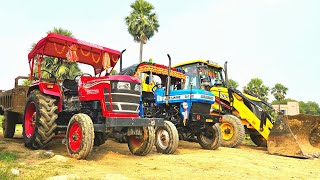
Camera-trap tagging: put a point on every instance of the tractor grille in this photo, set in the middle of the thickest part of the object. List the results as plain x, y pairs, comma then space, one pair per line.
201, 108
123, 102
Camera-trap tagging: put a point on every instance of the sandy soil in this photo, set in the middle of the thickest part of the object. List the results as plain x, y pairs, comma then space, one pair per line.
114, 161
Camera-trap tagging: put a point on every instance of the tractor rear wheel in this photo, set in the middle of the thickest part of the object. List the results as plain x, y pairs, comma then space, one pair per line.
9, 124
141, 145
211, 137
258, 140
39, 122
100, 138
167, 138
80, 136
233, 131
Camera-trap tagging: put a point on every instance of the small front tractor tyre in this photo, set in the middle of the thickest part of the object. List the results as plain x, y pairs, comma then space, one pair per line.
142, 145
9, 124
211, 137
80, 136
167, 138
258, 140
39, 122
100, 138
233, 131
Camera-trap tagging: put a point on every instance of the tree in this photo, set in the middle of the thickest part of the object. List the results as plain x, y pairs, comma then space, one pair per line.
233, 83
283, 101
114, 72
279, 91
309, 108
142, 22
256, 88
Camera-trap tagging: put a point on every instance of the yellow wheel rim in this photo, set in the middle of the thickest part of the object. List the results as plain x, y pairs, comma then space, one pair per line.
227, 131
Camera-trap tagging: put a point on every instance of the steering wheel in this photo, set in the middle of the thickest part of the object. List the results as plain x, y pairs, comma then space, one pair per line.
83, 74
156, 86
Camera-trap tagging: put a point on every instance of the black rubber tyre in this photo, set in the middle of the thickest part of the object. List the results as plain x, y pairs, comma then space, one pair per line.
167, 138
233, 131
142, 145
211, 138
258, 140
80, 136
100, 138
39, 122
9, 124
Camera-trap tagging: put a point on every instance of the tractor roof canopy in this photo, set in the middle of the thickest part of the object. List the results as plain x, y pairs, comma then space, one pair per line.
157, 69
71, 49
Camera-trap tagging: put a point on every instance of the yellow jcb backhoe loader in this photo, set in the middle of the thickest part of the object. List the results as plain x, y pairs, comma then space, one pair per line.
296, 136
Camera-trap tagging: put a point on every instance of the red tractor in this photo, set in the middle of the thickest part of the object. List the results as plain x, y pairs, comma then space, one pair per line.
89, 107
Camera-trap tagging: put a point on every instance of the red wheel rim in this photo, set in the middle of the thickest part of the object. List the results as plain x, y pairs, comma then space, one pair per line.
75, 137
30, 120
135, 141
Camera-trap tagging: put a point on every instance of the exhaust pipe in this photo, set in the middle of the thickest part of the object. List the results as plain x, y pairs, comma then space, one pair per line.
168, 81
121, 59
226, 74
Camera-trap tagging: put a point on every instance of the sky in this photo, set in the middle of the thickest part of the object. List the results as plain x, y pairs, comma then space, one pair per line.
277, 41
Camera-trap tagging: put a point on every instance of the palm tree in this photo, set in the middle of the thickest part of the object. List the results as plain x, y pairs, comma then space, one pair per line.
279, 91
233, 83
256, 88
142, 23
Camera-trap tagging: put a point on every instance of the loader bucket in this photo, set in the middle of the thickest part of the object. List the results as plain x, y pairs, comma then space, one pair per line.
295, 136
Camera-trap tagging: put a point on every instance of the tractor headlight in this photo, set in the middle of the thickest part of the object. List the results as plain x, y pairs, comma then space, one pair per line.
185, 105
137, 87
123, 85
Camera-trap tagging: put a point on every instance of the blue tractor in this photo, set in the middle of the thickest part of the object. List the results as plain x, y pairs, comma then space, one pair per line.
168, 93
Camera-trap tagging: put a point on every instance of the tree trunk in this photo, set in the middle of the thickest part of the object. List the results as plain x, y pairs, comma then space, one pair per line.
279, 105
141, 49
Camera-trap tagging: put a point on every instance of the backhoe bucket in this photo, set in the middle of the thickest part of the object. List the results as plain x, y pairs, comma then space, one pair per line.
296, 136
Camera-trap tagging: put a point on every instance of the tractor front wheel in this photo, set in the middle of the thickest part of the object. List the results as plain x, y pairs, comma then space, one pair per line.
39, 122
233, 131
9, 124
141, 145
211, 137
80, 136
167, 138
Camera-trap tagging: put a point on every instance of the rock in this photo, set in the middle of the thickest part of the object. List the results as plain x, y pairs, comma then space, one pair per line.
114, 177
15, 171
46, 154
60, 158
65, 177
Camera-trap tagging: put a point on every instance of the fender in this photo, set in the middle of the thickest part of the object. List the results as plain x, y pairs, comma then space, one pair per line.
48, 89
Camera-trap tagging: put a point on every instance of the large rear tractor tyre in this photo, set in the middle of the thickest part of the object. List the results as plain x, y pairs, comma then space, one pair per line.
142, 145
80, 136
233, 131
100, 138
258, 140
9, 124
39, 122
167, 138
211, 137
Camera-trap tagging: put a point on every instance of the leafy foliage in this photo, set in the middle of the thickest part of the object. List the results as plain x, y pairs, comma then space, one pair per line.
283, 101
279, 91
114, 72
256, 88
233, 83
309, 107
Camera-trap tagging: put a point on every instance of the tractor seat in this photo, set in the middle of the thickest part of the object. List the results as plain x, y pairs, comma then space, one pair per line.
147, 96
70, 87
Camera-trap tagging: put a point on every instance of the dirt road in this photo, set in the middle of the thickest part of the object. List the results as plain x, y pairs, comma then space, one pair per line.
114, 161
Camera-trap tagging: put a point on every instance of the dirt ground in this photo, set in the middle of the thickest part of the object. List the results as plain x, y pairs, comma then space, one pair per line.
114, 161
